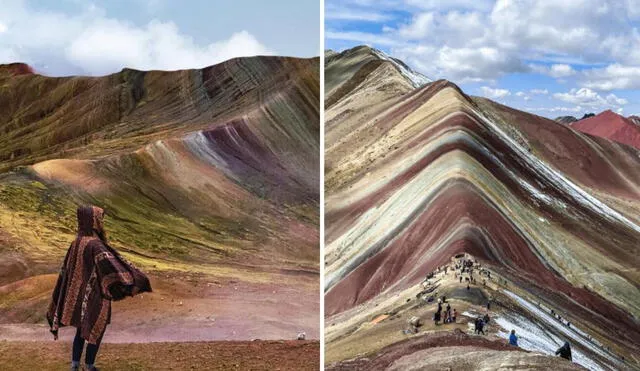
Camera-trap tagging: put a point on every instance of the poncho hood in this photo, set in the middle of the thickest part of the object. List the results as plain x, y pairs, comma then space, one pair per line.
90, 221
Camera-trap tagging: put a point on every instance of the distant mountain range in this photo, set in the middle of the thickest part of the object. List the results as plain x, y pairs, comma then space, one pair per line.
609, 125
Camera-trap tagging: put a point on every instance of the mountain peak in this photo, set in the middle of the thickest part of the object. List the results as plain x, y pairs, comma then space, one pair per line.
566, 120
416, 79
610, 125
607, 116
16, 69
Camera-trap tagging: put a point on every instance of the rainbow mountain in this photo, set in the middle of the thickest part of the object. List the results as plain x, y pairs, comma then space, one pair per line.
210, 182
418, 179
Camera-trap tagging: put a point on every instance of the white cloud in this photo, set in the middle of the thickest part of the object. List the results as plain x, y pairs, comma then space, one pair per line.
614, 76
451, 4
591, 44
357, 16
453, 29
95, 44
558, 109
421, 25
560, 33
539, 91
561, 70
3, 27
459, 64
589, 98
590, 30
494, 93
566, 109
555, 70
361, 37
350, 13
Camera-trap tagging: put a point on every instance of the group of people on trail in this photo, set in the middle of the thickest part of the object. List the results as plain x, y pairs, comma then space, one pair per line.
467, 266
448, 316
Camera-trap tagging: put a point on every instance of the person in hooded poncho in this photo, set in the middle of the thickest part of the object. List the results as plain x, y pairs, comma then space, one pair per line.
92, 275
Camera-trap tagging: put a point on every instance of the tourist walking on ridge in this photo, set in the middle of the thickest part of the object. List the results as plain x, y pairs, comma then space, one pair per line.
565, 351
437, 317
513, 339
92, 275
479, 326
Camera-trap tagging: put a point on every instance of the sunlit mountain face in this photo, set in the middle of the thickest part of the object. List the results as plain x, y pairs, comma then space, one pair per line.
210, 182
419, 178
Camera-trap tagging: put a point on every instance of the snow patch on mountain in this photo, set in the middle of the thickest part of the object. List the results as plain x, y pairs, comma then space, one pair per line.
416, 78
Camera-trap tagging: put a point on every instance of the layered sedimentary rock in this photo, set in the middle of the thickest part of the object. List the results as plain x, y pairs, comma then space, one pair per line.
208, 176
416, 176
566, 119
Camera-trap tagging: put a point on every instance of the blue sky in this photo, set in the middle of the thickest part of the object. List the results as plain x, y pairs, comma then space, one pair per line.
68, 37
552, 58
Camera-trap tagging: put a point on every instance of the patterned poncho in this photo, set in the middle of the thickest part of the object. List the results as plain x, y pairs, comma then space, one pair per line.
92, 275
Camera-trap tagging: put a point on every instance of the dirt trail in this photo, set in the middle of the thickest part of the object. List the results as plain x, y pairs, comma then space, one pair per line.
181, 308
241, 355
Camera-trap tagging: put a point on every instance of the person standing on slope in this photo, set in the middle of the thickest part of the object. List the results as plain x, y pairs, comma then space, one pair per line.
92, 275
513, 339
565, 351
479, 326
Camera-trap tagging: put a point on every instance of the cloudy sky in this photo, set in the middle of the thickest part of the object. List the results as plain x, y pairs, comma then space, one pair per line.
551, 57
68, 37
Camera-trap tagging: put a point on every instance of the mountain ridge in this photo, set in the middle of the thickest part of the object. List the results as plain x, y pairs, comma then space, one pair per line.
419, 177
210, 182
121, 110
610, 125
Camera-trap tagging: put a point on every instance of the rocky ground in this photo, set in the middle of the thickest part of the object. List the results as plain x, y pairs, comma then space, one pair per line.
182, 307
372, 337
223, 355
190, 321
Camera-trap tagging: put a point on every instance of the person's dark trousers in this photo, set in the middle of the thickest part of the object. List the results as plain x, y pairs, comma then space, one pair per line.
92, 350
